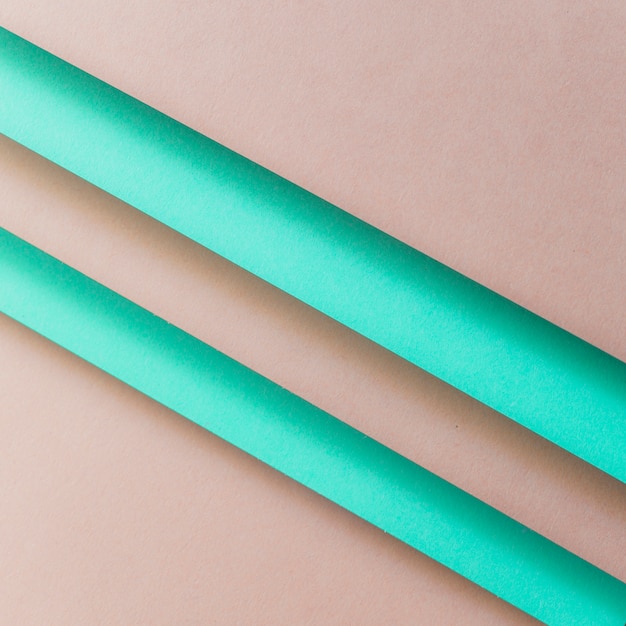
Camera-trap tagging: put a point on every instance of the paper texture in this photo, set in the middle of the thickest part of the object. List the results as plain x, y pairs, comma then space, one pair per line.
530, 370
301, 441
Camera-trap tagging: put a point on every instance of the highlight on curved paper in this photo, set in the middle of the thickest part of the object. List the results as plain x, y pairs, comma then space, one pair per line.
537, 374
302, 441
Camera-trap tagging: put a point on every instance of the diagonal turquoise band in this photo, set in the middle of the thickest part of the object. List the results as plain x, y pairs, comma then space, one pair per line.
501, 354
302, 441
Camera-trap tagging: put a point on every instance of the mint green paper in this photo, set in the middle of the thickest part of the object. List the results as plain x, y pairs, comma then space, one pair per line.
302, 441
521, 365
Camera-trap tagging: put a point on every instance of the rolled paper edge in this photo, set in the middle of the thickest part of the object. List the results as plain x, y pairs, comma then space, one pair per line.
303, 442
535, 373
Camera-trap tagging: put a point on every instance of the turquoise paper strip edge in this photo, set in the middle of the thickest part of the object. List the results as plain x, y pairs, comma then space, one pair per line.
546, 379
303, 442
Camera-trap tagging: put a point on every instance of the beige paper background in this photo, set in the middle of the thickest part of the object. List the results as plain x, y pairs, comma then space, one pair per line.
491, 139
490, 135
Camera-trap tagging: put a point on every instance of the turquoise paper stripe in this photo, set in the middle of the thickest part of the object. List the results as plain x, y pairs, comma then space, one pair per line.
521, 365
303, 442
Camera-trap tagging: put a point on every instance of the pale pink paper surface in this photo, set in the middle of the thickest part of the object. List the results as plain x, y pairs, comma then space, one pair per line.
48, 419
491, 139
489, 135
116, 511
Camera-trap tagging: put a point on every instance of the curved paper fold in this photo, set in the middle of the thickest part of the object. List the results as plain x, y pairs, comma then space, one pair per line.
302, 441
517, 363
